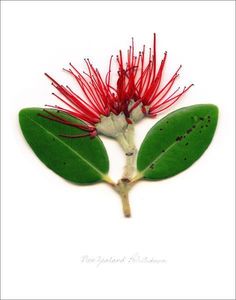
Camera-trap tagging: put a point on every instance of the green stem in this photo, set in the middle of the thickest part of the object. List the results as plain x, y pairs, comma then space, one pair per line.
122, 189
126, 140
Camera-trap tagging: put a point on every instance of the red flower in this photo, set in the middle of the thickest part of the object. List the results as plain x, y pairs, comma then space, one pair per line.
139, 88
143, 83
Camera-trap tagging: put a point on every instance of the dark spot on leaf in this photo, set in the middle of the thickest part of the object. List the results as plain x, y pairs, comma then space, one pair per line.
152, 166
179, 138
194, 126
209, 121
206, 125
161, 129
184, 136
202, 119
208, 117
53, 139
185, 158
189, 130
64, 163
163, 151
167, 122
186, 144
202, 126
200, 131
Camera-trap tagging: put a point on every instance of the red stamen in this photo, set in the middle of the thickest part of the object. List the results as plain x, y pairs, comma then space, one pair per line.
75, 136
56, 118
138, 82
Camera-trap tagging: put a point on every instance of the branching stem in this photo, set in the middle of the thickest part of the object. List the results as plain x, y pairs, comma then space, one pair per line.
126, 141
122, 189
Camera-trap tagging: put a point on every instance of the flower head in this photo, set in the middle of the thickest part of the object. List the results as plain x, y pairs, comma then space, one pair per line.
108, 109
140, 84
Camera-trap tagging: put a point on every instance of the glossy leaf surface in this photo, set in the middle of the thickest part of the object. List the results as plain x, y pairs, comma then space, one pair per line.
177, 141
80, 160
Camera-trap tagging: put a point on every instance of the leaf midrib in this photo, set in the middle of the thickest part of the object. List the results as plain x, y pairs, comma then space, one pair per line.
75, 152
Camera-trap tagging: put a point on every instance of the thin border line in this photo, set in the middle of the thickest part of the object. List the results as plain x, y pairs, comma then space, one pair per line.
1, 139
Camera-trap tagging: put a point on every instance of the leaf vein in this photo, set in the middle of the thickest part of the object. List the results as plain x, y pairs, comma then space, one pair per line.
75, 152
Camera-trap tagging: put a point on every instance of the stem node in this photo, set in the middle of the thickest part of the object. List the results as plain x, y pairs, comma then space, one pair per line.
122, 189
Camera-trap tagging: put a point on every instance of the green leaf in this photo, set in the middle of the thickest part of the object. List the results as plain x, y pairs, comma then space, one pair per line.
177, 141
80, 160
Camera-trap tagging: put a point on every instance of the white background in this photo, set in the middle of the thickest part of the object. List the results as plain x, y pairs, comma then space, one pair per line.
48, 224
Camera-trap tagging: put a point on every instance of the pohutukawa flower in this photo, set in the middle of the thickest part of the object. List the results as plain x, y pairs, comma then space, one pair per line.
108, 109
111, 106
